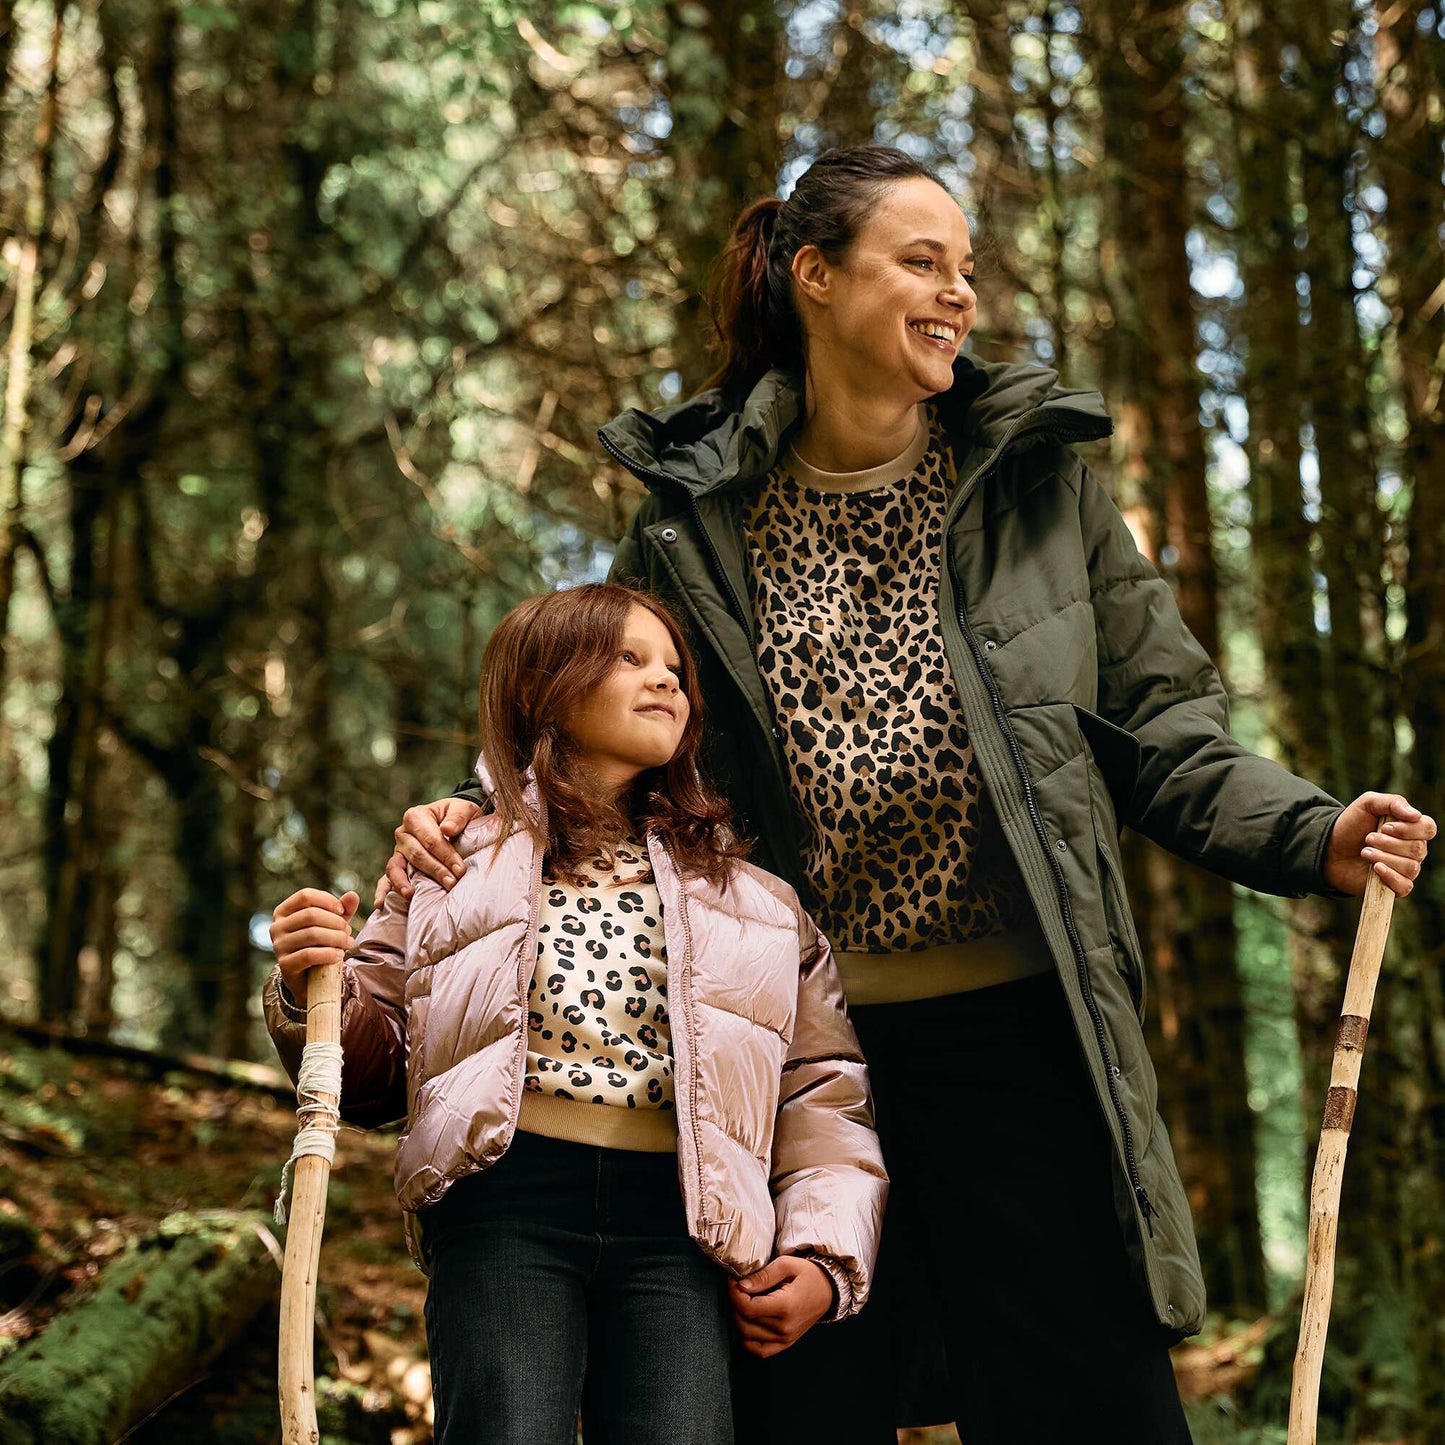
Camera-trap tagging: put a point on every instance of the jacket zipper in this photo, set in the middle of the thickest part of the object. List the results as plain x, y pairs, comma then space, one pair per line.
1115, 880
1061, 889
685, 974
525, 968
1146, 1206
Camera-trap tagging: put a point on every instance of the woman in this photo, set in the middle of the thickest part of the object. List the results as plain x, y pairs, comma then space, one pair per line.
942, 677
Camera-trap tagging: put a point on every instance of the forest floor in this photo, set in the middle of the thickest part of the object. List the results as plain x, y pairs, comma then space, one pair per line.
94, 1152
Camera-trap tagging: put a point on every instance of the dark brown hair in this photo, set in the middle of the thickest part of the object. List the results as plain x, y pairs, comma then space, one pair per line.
755, 323
541, 662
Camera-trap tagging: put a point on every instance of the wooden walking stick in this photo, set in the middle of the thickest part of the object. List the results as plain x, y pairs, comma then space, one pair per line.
1304, 1400
318, 1091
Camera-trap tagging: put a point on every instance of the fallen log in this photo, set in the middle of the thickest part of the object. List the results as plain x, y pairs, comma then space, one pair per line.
260, 1077
159, 1314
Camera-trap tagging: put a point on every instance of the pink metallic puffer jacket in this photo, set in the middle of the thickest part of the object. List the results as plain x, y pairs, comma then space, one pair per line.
775, 1148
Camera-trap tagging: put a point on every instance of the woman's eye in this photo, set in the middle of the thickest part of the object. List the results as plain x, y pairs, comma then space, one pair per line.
629, 656
921, 261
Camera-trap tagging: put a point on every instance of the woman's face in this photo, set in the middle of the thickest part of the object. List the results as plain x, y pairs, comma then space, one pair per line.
634, 718
892, 316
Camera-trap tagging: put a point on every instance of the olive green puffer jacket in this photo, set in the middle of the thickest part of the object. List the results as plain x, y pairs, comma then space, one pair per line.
1089, 704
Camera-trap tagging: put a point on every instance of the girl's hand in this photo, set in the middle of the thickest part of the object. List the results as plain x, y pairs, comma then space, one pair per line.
310, 928
1360, 843
779, 1304
423, 839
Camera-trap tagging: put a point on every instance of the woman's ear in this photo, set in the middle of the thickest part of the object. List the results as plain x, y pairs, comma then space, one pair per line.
812, 275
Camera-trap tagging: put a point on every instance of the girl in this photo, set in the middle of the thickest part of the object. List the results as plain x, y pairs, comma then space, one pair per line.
622, 1055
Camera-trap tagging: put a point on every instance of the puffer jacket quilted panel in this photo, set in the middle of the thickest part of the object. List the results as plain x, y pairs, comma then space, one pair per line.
776, 1148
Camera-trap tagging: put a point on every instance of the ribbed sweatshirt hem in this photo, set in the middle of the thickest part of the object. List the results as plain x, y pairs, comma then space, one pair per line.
609, 1126
1016, 953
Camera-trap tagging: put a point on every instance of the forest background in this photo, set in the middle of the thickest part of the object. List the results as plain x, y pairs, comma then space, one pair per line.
312, 309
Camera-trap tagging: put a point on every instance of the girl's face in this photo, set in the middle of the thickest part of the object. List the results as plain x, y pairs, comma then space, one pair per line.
634, 718
892, 316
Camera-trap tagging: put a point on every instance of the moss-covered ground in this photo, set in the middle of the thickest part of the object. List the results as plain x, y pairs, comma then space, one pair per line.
95, 1152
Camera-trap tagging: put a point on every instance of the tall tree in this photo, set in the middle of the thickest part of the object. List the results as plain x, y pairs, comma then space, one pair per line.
724, 90
1189, 917
16, 419
1411, 82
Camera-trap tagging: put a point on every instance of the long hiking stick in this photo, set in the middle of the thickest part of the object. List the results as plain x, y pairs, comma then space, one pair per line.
1304, 1400
318, 1091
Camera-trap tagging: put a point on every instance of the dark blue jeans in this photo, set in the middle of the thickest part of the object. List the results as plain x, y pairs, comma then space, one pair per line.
564, 1281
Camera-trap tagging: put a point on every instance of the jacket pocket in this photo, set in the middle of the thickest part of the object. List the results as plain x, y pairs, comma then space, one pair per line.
1116, 906
1116, 754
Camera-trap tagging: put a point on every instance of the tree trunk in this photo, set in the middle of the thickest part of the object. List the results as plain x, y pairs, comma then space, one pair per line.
97, 1011
72, 846
1410, 1119
22, 328
1197, 1031
1336, 386
722, 83
1269, 331
231, 1025
162, 1312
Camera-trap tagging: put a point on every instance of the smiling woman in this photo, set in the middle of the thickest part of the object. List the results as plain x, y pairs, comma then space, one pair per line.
941, 677
889, 323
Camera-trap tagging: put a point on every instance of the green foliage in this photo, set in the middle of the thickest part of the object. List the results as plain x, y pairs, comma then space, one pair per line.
1215, 1421
333, 298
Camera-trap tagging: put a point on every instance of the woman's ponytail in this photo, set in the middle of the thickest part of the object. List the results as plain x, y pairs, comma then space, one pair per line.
750, 299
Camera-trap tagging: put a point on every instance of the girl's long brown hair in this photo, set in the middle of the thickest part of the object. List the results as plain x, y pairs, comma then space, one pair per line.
541, 662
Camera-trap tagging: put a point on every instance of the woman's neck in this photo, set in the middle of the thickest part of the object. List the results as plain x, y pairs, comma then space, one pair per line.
844, 432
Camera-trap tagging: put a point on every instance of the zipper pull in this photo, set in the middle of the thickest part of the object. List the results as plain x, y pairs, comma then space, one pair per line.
1146, 1208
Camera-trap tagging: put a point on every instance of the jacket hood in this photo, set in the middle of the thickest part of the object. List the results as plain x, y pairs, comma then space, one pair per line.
710, 443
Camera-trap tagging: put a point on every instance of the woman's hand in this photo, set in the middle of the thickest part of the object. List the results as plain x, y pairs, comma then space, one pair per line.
423, 840
778, 1305
309, 929
1361, 843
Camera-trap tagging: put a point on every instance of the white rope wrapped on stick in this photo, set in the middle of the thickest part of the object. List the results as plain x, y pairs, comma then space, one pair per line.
318, 1087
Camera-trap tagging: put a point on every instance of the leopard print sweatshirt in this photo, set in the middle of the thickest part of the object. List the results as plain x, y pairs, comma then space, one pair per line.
599, 1045
901, 850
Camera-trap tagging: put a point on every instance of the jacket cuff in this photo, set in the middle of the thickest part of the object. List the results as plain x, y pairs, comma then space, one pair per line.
1303, 846
842, 1286
292, 1010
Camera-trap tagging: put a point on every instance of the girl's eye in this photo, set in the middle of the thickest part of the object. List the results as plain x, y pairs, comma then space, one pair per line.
629, 656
